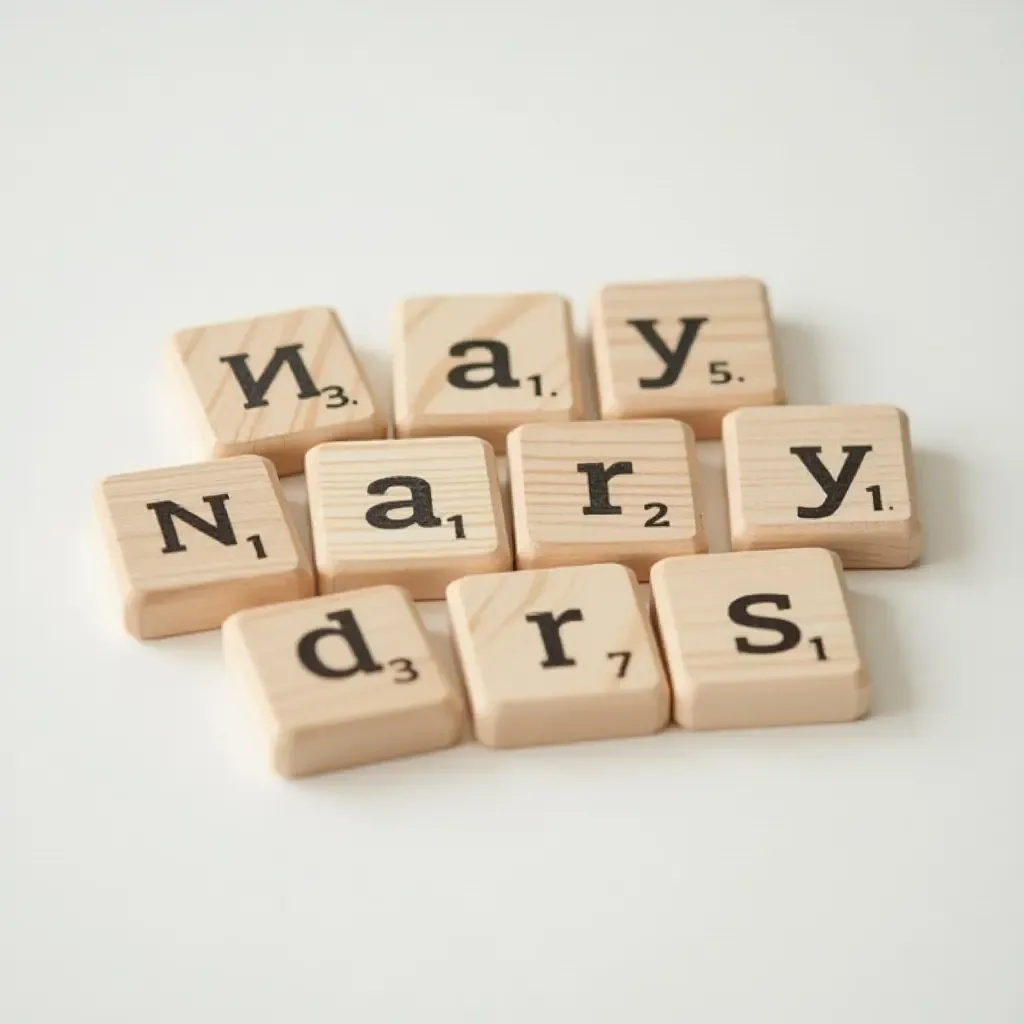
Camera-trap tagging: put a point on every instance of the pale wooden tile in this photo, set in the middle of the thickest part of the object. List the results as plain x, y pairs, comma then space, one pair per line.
604, 492
192, 544
828, 476
759, 638
418, 512
691, 350
276, 385
483, 364
345, 679
557, 655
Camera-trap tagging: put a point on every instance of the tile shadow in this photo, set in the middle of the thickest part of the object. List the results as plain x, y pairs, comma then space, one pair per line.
878, 635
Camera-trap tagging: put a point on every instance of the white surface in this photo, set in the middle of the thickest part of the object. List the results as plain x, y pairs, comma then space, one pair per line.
171, 164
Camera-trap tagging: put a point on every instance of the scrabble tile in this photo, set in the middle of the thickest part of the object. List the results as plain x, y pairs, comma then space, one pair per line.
692, 350
418, 512
758, 638
343, 680
192, 544
604, 492
557, 655
276, 385
828, 476
483, 364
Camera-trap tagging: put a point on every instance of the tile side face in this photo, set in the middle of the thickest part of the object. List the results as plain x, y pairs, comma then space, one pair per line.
558, 655
604, 491
483, 364
692, 350
835, 476
344, 679
759, 638
276, 385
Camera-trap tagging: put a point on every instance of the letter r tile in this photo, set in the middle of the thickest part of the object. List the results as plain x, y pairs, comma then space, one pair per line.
557, 655
276, 385
343, 680
419, 512
193, 544
690, 350
832, 476
483, 364
759, 638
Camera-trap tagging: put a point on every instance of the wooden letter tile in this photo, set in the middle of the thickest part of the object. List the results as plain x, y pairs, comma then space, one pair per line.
417, 512
557, 655
823, 476
345, 679
483, 364
759, 638
276, 386
192, 544
604, 492
690, 350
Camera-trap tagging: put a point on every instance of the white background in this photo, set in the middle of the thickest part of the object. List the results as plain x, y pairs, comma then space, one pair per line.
163, 165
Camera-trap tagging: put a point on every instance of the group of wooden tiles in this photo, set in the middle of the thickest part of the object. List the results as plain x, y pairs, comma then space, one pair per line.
562, 648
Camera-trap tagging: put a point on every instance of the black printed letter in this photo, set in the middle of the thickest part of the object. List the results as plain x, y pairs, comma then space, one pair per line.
550, 625
220, 529
499, 366
420, 501
835, 490
348, 629
598, 476
789, 632
673, 361
255, 388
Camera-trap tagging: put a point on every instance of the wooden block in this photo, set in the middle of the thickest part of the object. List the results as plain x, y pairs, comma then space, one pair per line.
759, 638
276, 385
417, 512
483, 364
192, 544
557, 655
344, 679
692, 350
604, 492
829, 476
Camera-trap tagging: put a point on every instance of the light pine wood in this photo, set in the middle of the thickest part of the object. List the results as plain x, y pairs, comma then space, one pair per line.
637, 473
343, 680
517, 701
876, 524
538, 334
328, 400
715, 684
463, 482
203, 577
731, 363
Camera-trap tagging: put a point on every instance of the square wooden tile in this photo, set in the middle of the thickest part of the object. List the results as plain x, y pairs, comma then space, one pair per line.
557, 655
834, 476
345, 679
604, 492
759, 638
276, 385
418, 512
692, 350
192, 544
483, 364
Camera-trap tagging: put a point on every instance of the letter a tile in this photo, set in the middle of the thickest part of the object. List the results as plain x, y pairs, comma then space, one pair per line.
828, 476
557, 655
689, 350
759, 638
343, 680
604, 492
483, 364
418, 512
276, 386
193, 544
